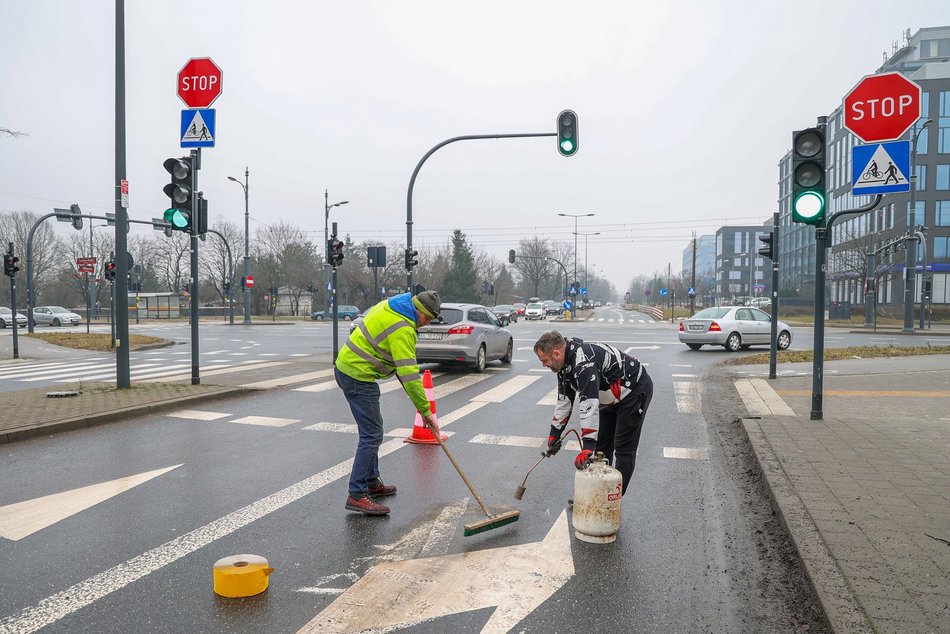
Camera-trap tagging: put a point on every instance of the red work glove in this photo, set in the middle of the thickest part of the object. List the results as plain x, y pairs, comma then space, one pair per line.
582, 461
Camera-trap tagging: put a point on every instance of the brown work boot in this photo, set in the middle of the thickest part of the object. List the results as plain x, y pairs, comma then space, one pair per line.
365, 504
379, 490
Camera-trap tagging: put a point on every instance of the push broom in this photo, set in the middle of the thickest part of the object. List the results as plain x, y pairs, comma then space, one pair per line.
492, 521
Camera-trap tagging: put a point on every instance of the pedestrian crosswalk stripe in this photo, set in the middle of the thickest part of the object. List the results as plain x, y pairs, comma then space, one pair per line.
685, 453
133, 372
443, 390
507, 389
684, 376
454, 415
288, 380
511, 441
266, 421
58, 369
193, 414
687, 397
317, 387
549, 399
337, 427
239, 367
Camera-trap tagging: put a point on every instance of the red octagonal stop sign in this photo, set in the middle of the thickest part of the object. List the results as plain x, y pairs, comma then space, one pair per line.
882, 107
199, 82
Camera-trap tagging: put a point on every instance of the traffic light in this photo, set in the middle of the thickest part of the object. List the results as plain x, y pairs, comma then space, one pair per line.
227, 288
77, 216
809, 201
927, 289
567, 133
411, 259
335, 249
110, 269
511, 256
179, 191
491, 290
310, 288
10, 264
766, 249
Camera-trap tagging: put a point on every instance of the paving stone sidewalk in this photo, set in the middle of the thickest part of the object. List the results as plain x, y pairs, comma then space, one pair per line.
865, 492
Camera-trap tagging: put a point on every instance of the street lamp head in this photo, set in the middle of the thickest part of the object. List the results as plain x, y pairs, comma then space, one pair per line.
231, 178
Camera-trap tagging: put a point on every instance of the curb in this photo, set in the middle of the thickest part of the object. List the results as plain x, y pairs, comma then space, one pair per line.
842, 611
114, 415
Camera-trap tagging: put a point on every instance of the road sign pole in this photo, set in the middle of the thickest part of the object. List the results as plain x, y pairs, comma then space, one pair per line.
910, 262
773, 354
196, 202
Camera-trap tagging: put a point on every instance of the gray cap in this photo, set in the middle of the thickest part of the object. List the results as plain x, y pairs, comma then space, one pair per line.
428, 302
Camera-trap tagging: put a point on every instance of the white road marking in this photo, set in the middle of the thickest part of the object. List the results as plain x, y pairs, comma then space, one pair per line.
451, 387
684, 376
685, 453
539, 370
317, 387
266, 421
510, 441
507, 389
454, 415
342, 428
687, 397
515, 580
193, 414
25, 518
301, 354
318, 588
243, 365
549, 399
289, 380
681, 365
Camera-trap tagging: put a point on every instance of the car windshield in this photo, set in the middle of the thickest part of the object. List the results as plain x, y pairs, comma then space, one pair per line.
711, 313
57, 309
535, 306
503, 308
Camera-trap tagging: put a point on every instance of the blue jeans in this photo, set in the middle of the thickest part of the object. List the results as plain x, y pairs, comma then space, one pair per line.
363, 399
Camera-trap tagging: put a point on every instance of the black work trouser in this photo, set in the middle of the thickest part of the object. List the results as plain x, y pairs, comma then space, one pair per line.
620, 425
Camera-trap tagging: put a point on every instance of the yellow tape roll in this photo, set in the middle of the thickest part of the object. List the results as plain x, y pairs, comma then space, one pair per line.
241, 576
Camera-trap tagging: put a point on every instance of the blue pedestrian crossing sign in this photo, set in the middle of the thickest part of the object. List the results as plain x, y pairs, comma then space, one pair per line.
880, 168
691, 292
197, 128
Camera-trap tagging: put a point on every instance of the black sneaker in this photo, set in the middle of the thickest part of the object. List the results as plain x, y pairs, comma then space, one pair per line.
365, 504
570, 502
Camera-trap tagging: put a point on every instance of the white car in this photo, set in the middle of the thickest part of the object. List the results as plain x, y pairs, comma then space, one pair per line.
734, 328
6, 318
55, 316
534, 311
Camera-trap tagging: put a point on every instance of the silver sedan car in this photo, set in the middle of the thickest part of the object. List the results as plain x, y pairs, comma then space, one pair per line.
734, 328
6, 318
55, 316
466, 333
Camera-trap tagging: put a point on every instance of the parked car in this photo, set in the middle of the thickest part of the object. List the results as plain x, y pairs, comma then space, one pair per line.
55, 316
519, 306
534, 311
760, 302
551, 307
506, 310
6, 318
466, 333
734, 328
346, 313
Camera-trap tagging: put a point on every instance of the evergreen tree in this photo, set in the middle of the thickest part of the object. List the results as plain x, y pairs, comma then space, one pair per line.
459, 284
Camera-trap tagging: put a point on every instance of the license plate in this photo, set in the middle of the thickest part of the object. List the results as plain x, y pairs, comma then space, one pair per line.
430, 335
695, 326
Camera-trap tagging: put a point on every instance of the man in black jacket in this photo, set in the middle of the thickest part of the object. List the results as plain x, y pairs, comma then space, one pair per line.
613, 391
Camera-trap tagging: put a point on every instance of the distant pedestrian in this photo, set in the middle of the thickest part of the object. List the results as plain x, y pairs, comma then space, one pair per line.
383, 344
97, 311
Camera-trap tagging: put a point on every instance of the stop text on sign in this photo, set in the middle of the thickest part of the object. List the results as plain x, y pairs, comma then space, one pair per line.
199, 82
886, 107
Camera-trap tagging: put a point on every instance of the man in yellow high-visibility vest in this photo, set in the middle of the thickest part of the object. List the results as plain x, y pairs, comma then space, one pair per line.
382, 344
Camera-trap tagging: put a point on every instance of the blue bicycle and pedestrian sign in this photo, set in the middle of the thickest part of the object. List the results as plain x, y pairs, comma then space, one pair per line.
880, 168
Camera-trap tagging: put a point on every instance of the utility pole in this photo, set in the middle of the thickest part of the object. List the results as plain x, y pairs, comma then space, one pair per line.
910, 263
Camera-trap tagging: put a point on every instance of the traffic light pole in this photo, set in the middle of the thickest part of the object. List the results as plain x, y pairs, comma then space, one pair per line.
773, 351
822, 242
336, 307
230, 293
415, 173
195, 210
16, 344
121, 338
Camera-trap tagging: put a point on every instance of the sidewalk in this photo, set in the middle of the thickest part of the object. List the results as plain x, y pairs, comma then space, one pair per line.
865, 492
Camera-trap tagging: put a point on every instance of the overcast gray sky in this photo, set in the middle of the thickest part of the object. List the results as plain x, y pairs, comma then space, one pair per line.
685, 109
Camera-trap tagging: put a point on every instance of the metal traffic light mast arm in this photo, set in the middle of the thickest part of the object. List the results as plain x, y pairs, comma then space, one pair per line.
822, 242
548, 257
415, 172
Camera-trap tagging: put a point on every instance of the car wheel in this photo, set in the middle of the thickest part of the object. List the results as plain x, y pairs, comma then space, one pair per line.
733, 343
694, 346
56, 322
347, 318
508, 354
3, 324
480, 358
784, 340
319, 317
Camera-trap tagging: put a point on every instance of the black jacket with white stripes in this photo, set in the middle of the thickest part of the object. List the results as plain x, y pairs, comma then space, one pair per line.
600, 374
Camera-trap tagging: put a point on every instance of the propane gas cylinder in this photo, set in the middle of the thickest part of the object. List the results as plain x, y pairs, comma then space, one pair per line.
597, 493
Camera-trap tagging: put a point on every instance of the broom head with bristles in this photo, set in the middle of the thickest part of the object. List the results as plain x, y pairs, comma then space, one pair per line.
490, 523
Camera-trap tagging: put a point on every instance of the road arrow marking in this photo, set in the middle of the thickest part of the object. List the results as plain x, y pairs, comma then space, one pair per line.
515, 580
642, 348
25, 518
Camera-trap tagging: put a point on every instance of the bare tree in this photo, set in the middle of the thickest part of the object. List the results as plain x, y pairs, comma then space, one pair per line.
13, 133
534, 264
213, 261
15, 227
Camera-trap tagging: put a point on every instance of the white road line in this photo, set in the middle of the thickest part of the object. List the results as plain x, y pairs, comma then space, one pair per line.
317, 387
451, 387
507, 389
684, 376
164, 370
687, 397
753, 402
287, 380
465, 410
538, 370
242, 365
266, 421
193, 414
549, 399
681, 365
510, 441
685, 453
27, 370
334, 427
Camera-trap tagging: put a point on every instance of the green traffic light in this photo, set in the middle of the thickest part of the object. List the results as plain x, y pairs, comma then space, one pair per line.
567, 146
809, 205
176, 218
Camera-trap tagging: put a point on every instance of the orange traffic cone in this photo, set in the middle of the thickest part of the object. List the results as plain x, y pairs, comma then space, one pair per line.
422, 435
